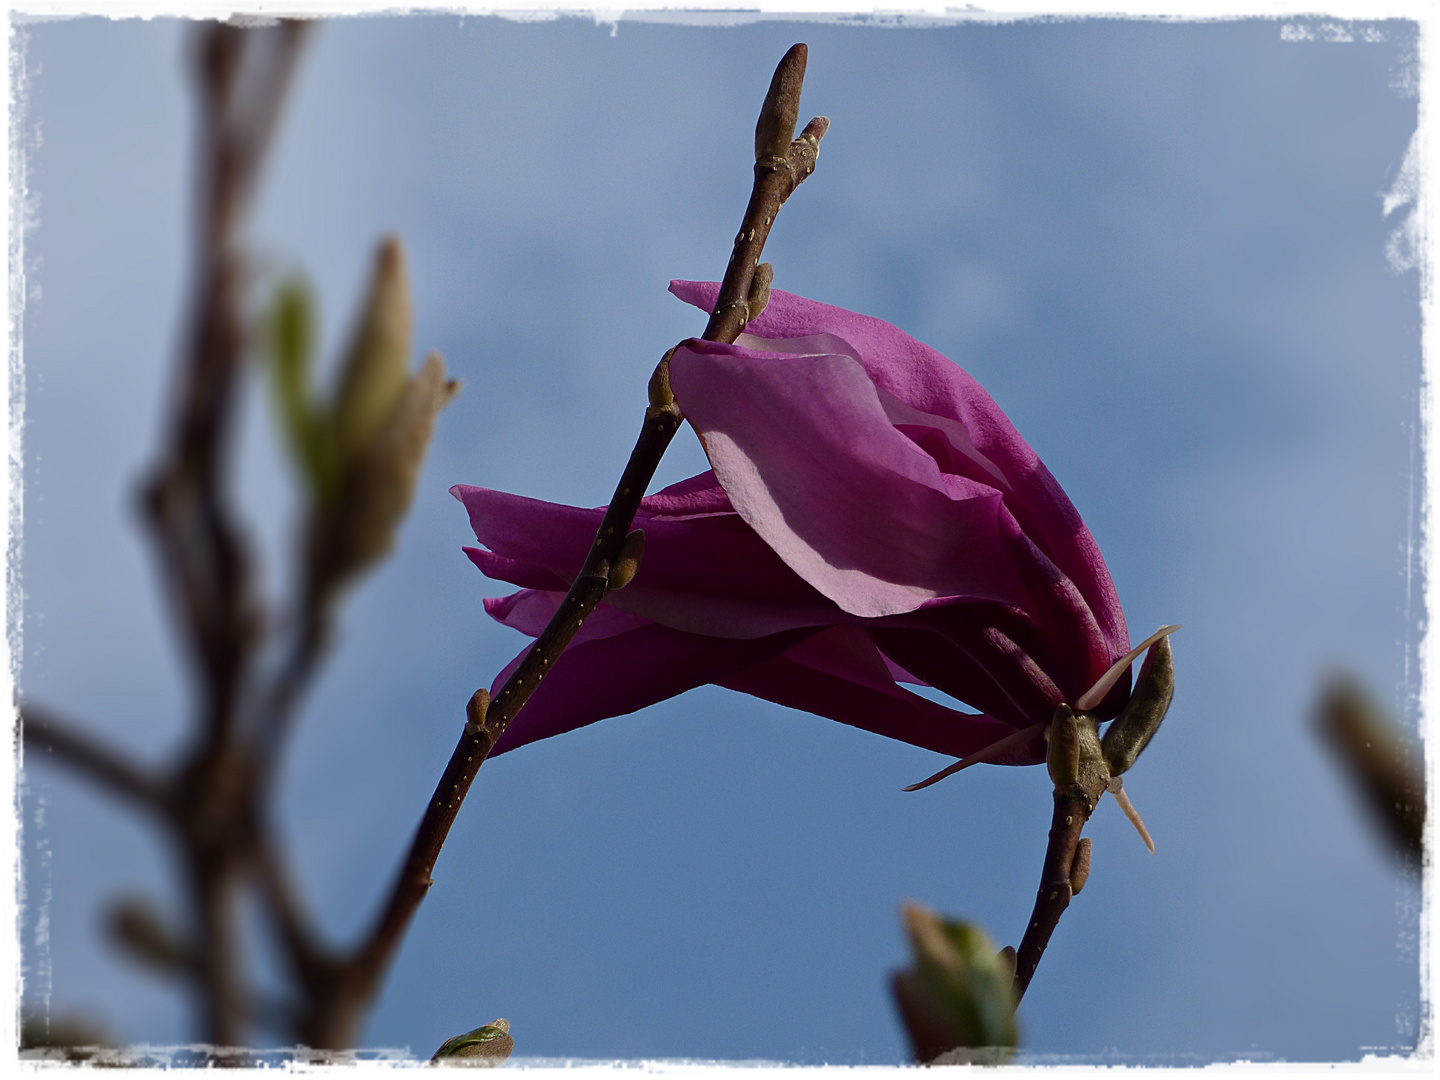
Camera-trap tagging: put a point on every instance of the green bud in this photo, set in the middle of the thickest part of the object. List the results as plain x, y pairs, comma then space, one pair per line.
1138, 721
382, 484
958, 1001
376, 369
1080, 868
627, 563
487, 1045
1062, 757
290, 351
662, 398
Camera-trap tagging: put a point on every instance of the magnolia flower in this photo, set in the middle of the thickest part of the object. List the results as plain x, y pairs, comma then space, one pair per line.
871, 519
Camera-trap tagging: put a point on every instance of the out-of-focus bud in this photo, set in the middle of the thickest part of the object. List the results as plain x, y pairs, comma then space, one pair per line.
487, 1045
781, 111
1380, 757
137, 927
1062, 757
958, 1000
627, 563
1138, 721
290, 352
377, 367
380, 485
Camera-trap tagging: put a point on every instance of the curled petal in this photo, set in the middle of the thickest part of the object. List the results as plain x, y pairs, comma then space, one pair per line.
704, 571
804, 448
948, 399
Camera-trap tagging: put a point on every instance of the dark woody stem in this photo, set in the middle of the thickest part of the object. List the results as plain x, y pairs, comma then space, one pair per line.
1060, 877
777, 175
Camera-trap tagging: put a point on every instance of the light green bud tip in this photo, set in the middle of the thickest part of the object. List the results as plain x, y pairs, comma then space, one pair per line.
959, 986
487, 1045
377, 366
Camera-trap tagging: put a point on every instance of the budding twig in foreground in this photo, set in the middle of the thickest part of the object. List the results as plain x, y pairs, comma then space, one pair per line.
781, 165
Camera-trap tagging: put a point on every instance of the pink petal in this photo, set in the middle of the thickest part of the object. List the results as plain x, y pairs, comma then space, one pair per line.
839, 674
704, 570
921, 379
617, 674
809, 458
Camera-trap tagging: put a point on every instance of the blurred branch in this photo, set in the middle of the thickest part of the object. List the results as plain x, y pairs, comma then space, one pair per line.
44, 731
1382, 762
242, 76
782, 163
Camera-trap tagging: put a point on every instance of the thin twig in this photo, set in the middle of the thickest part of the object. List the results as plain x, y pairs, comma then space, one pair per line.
775, 179
44, 731
1073, 807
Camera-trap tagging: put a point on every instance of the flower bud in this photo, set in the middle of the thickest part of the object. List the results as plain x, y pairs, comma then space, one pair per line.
382, 484
1080, 867
487, 1045
958, 1000
781, 111
1062, 757
759, 298
627, 563
290, 351
1138, 721
377, 368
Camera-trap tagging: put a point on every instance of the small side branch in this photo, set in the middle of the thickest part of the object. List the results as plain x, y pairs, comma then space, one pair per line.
43, 731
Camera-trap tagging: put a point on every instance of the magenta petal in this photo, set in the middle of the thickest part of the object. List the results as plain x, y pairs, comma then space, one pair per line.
594, 680
923, 380
813, 464
839, 674
530, 610
704, 570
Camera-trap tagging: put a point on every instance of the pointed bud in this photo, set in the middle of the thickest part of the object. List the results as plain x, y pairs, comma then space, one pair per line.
781, 111
1080, 868
1138, 721
662, 398
1381, 758
382, 484
290, 351
1062, 757
377, 367
627, 563
1007, 957
759, 297
487, 1045
959, 999
476, 711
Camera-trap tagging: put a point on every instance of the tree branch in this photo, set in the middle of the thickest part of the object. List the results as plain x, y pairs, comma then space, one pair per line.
44, 731
776, 177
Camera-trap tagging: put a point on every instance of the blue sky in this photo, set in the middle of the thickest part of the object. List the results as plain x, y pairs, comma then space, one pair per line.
1161, 248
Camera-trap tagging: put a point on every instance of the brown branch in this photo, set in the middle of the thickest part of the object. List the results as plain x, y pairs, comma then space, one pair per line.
1073, 807
242, 77
776, 177
44, 731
